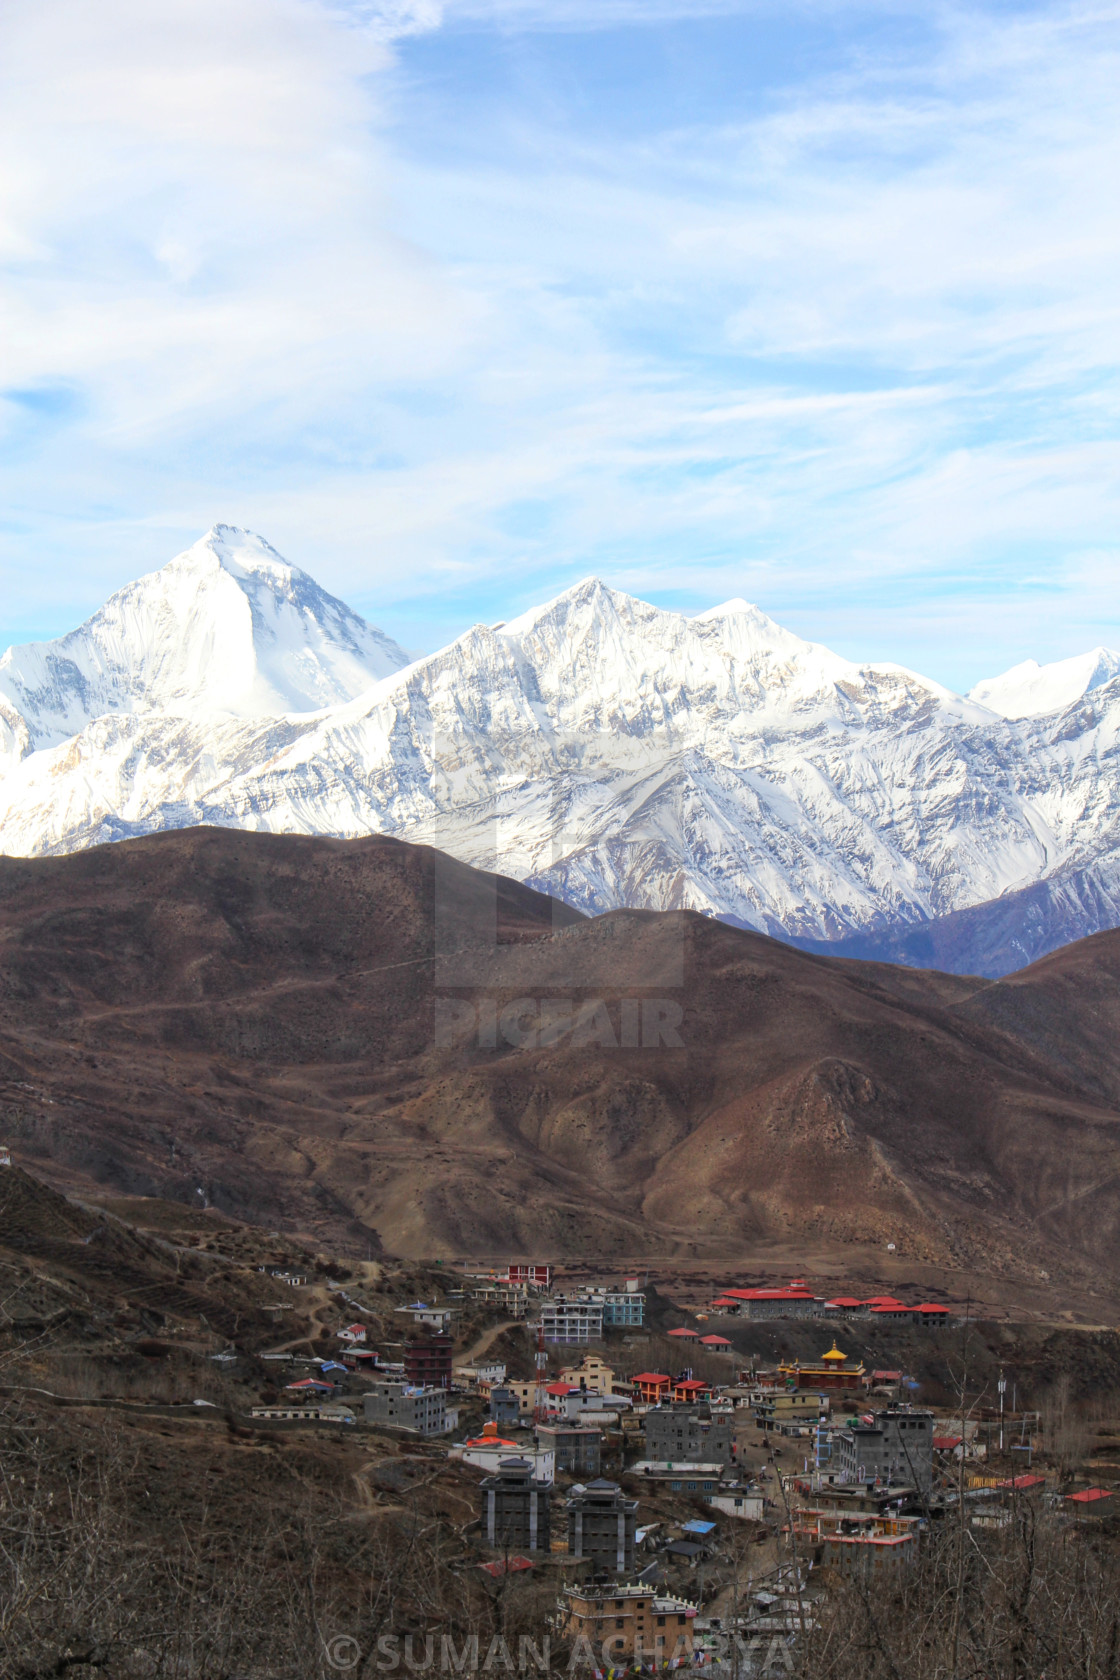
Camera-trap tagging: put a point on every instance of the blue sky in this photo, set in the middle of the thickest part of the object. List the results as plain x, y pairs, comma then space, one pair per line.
457, 303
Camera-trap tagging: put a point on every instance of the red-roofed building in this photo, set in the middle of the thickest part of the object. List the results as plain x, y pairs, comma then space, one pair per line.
507, 1566
714, 1342
1089, 1496
1022, 1484
931, 1313
682, 1332
773, 1303
651, 1386
893, 1310
353, 1334
690, 1388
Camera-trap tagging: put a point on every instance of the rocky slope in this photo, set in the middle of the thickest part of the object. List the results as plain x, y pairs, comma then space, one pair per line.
366, 1038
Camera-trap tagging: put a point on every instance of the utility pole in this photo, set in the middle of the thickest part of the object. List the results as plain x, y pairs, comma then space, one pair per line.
1002, 1387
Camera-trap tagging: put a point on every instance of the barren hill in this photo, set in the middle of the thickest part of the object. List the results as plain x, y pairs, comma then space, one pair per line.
365, 1039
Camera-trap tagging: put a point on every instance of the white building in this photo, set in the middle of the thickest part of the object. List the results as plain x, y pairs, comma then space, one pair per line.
572, 1320
487, 1452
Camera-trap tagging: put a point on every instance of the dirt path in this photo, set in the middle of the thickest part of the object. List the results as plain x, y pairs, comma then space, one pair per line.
485, 1341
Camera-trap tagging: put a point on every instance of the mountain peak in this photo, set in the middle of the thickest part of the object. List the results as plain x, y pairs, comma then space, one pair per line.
1032, 690
227, 627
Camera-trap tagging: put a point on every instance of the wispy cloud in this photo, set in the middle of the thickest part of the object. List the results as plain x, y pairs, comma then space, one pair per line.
455, 309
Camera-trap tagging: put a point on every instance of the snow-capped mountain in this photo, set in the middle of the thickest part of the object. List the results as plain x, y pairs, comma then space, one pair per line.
1031, 689
598, 747
228, 628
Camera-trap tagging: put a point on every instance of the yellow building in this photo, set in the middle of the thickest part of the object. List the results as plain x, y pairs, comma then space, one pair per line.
834, 1370
593, 1373
629, 1621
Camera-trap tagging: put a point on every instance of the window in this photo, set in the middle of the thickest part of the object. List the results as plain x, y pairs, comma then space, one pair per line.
618, 1621
680, 1619
661, 1621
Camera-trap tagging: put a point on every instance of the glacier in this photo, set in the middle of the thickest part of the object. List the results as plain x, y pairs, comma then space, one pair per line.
603, 749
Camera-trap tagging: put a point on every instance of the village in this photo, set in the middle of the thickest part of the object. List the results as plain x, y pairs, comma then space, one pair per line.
651, 1465
677, 1502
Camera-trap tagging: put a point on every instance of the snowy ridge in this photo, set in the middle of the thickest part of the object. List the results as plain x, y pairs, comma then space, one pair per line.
1031, 689
228, 628
598, 747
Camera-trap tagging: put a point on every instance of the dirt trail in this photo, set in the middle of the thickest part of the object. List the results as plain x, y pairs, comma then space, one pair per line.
485, 1341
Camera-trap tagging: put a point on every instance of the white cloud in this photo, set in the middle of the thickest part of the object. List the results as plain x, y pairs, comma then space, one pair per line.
860, 334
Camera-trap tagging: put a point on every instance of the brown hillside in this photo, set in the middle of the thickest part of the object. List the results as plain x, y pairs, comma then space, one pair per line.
250, 1020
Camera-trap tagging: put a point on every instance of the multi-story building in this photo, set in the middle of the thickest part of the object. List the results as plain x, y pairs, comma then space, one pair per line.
427, 1361
572, 1320
682, 1434
537, 1277
592, 1372
517, 1299
651, 1387
515, 1508
796, 1406
621, 1307
577, 1447
624, 1622
489, 1451
895, 1448
403, 1406
504, 1405
601, 1524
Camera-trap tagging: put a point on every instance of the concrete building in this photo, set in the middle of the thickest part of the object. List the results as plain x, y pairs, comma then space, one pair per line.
303, 1414
427, 1361
406, 1406
687, 1434
572, 1320
896, 1448
430, 1318
515, 1508
577, 1447
516, 1299
702, 1479
622, 1308
623, 1622
505, 1407
774, 1411
601, 1524
582, 1404
735, 1500
857, 1542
